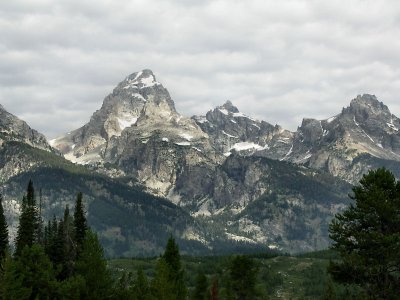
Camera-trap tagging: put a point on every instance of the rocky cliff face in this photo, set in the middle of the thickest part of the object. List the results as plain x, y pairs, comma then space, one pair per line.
230, 130
120, 110
365, 127
139, 132
14, 129
218, 167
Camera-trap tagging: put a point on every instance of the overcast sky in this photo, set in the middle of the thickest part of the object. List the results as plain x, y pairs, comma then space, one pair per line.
278, 61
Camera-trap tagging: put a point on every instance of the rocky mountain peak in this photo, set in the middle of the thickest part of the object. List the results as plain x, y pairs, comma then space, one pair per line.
140, 80
15, 129
229, 107
367, 105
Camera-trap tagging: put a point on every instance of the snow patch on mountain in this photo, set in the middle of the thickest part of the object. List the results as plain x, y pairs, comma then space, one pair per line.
141, 82
331, 119
229, 135
235, 237
127, 122
136, 95
182, 143
246, 146
224, 111
186, 136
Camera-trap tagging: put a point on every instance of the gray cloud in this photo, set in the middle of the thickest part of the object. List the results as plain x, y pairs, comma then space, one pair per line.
278, 61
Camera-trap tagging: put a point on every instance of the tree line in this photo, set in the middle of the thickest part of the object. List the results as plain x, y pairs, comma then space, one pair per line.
63, 259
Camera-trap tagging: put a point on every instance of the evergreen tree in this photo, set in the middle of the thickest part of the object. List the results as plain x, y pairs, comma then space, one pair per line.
367, 237
47, 237
242, 277
124, 288
161, 286
27, 233
71, 288
12, 286
69, 245
200, 291
80, 225
40, 233
92, 266
176, 272
30, 194
141, 289
30, 276
3, 231
170, 275
329, 291
53, 242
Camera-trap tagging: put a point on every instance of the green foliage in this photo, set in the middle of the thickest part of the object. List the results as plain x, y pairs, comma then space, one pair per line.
12, 282
71, 288
92, 266
242, 277
278, 277
169, 282
367, 237
161, 287
29, 276
200, 291
124, 287
69, 245
28, 226
141, 289
80, 224
3, 231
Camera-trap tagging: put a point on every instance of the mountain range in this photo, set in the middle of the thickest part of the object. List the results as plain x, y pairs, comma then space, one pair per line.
221, 182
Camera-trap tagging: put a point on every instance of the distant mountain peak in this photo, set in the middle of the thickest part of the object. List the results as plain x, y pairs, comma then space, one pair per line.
140, 80
13, 128
368, 103
229, 107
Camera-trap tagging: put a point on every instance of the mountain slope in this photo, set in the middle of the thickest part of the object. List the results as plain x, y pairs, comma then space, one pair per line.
252, 181
14, 129
128, 221
365, 127
230, 130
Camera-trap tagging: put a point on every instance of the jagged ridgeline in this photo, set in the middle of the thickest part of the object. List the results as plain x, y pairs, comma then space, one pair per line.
220, 182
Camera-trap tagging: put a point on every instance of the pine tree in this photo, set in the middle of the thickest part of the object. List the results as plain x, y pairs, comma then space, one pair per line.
52, 249
123, 289
141, 290
366, 235
27, 233
12, 286
30, 194
30, 276
69, 245
3, 231
80, 225
201, 288
92, 266
329, 291
170, 274
242, 276
161, 286
40, 233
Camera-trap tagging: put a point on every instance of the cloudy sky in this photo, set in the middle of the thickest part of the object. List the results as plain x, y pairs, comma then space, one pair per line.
278, 61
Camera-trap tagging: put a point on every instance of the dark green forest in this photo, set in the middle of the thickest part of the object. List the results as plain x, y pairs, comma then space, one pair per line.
63, 259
